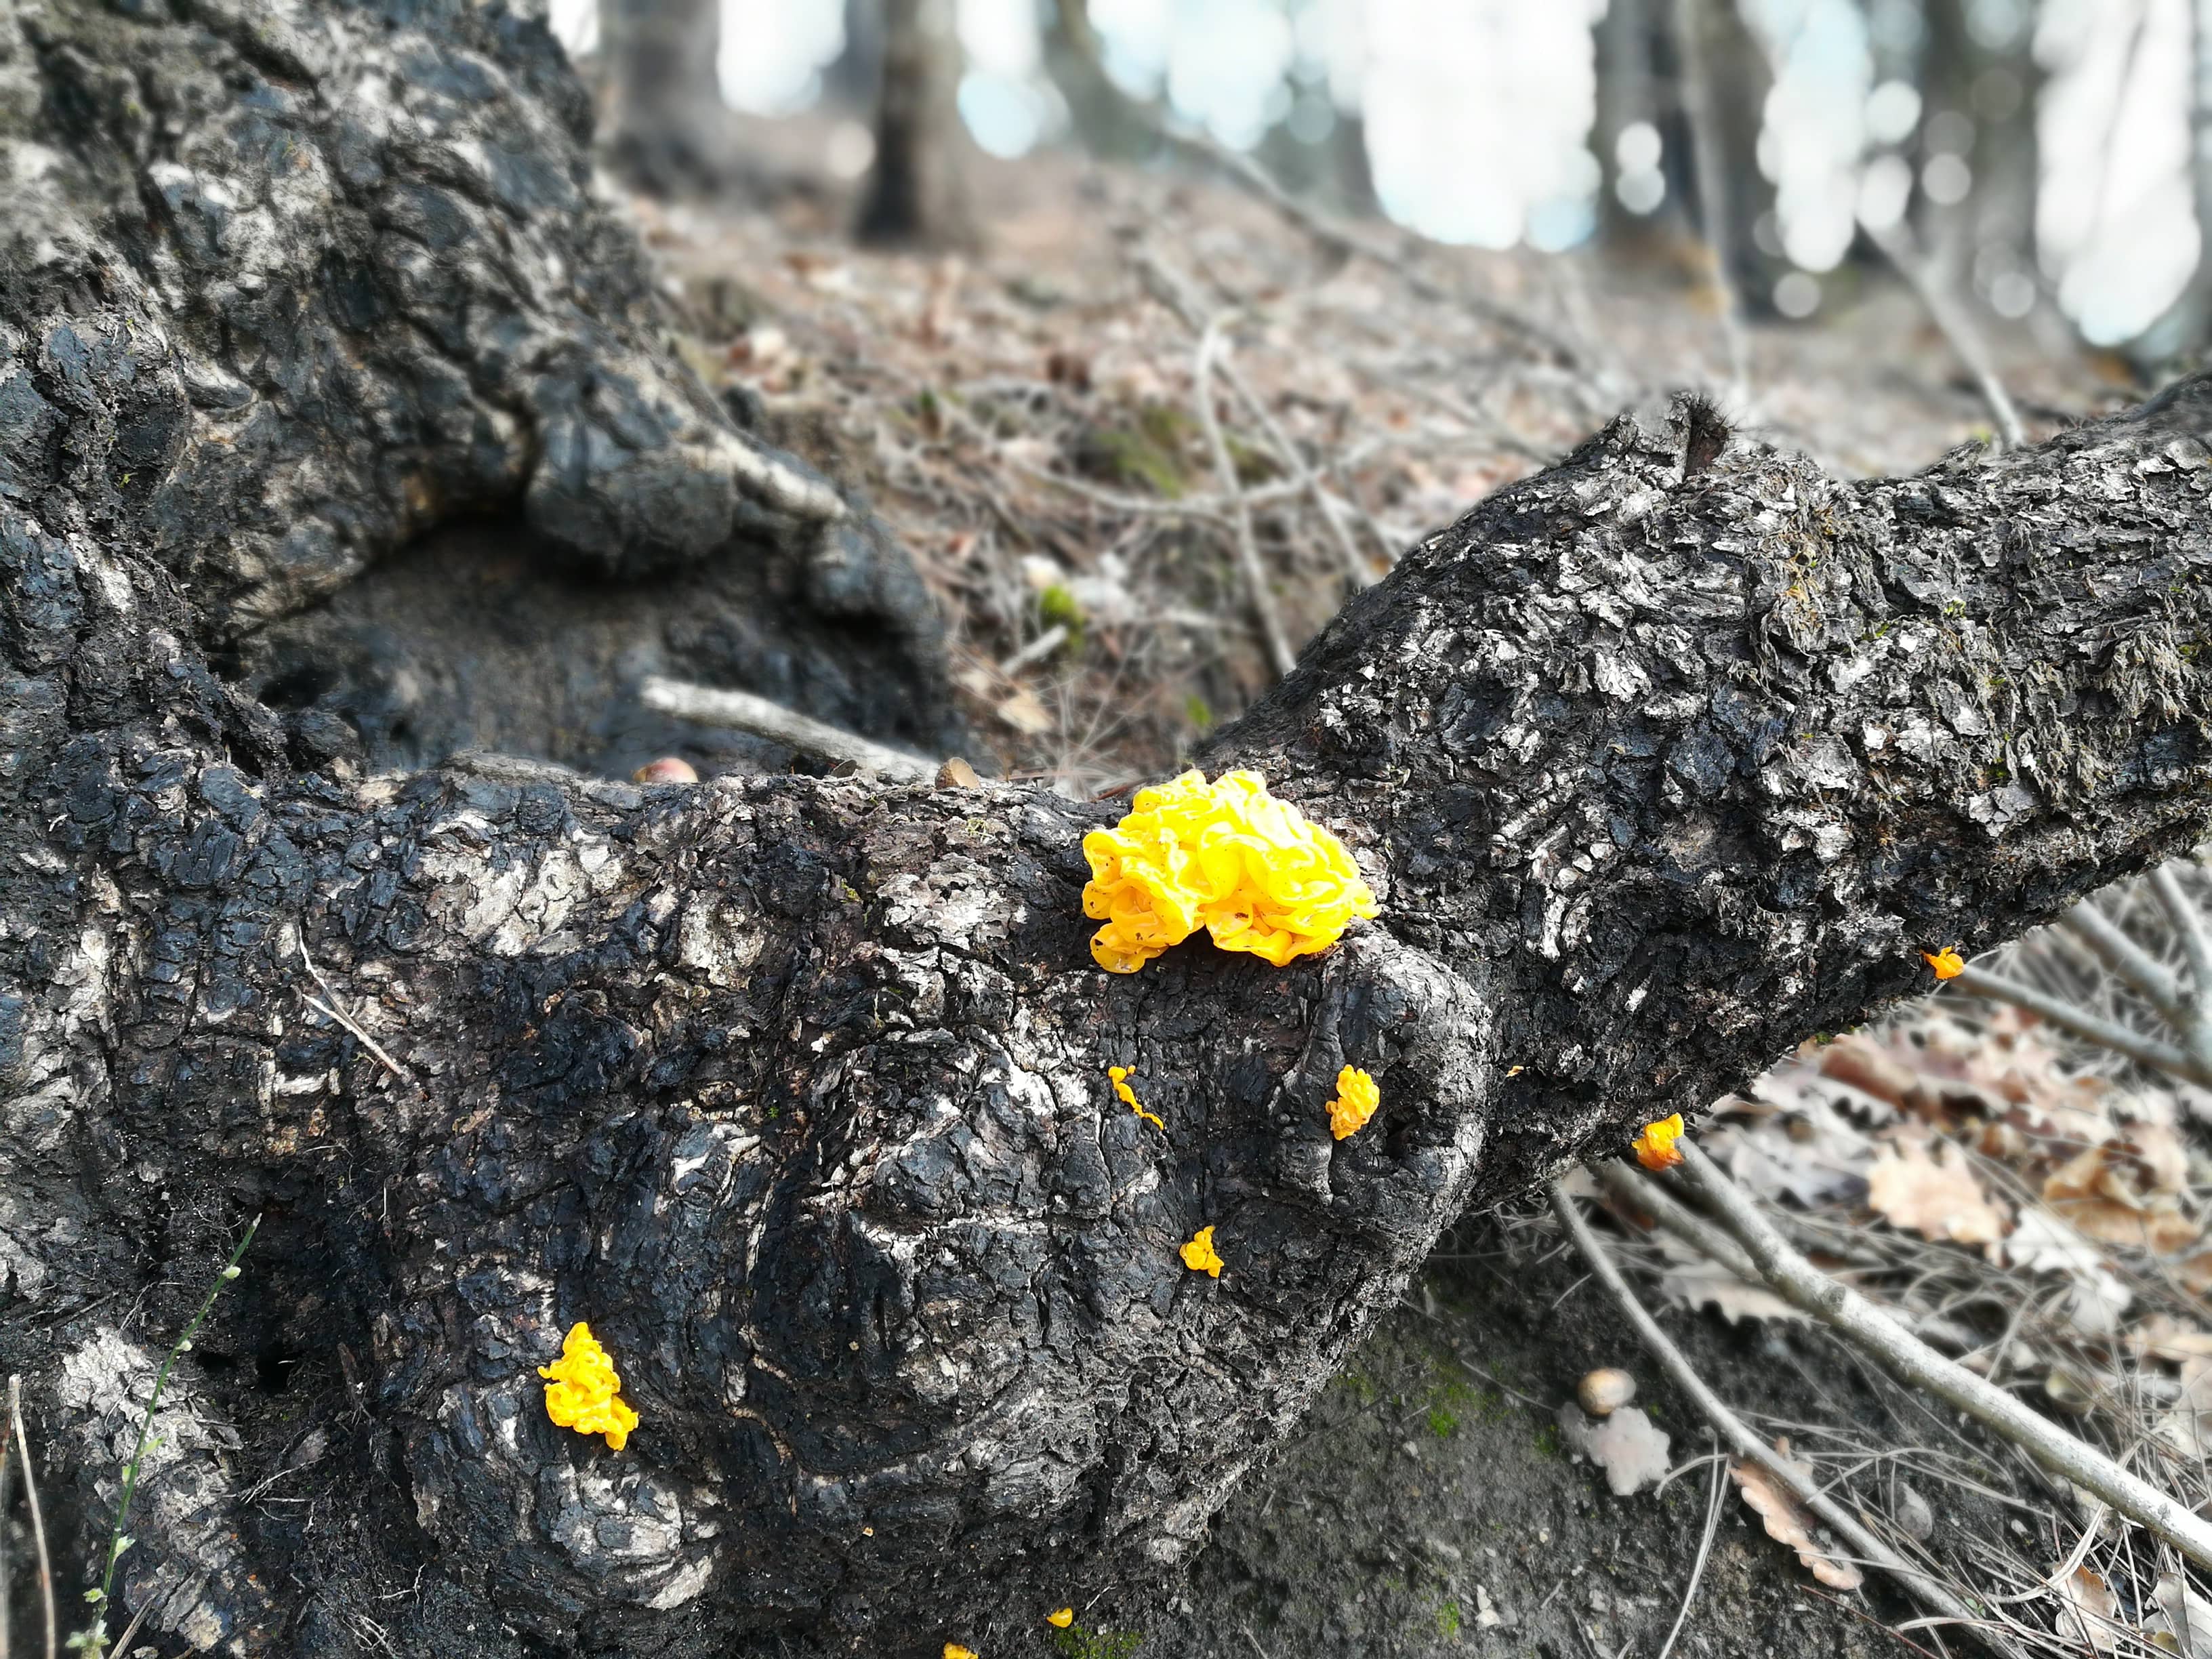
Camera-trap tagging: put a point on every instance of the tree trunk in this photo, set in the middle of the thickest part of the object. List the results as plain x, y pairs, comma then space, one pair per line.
2184, 331
1987, 93
918, 192
667, 123
1724, 78
1635, 68
794, 1088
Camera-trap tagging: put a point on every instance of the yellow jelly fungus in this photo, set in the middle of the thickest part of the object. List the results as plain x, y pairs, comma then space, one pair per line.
954, 1650
1947, 962
1129, 1096
1358, 1095
1225, 856
1061, 1619
1655, 1146
580, 1394
1199, 1256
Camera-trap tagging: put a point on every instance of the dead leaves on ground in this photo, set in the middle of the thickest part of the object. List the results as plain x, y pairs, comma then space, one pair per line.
1937, 1196
1625, 1444
1966, 1129
1787, 1520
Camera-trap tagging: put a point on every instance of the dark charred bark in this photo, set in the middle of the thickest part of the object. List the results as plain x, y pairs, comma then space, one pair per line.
918, 192
794, 1088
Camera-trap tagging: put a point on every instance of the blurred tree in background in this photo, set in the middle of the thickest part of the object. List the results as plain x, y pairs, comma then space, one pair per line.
2038, 154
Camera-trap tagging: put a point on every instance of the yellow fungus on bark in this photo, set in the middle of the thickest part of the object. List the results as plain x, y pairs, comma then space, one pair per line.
1358, 1095
1655, 1146
1129, 1096
581, 1392
1947, 962
1061, 1619
954, 1650
1199, 1254
1225, 856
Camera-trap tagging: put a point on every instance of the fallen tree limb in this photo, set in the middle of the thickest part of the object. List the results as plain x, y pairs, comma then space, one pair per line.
795, 1090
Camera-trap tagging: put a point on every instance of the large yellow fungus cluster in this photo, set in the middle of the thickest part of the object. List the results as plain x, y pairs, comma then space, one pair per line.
1225, 856
582, 1391
1358, 1095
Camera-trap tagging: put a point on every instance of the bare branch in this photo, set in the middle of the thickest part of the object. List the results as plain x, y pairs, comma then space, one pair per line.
1738, 1434
1913, 1361
744, 712
1280, 654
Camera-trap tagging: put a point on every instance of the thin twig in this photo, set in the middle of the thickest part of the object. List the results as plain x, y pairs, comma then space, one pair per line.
38, 1520
1248, 545
1172, 290
1711, 172
1952, 322
123, 1642
2105, 1033
1705, 1549
742, 711
1342, 242
1738, 1434
332, 1010
2189, 923
2123, 957
1908, 1357
116, 1541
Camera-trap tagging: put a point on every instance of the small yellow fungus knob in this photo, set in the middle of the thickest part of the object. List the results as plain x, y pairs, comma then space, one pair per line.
1129, 1096
1061, 1619
1655, 1146
954, 1650
1947, 962
582, 1389
1225, 856
1358, 1095
1199, 1254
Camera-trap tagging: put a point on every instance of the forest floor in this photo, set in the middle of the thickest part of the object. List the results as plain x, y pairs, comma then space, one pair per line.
1031, 419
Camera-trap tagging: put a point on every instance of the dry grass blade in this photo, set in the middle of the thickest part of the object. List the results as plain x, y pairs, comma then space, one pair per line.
1704, 1552
1248, 546
1736, 1433
1907, 1358
38, 1520
332, 1010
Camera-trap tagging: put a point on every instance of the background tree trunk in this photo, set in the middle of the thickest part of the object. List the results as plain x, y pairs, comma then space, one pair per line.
1636, 78
1979, 99
666, 121
919, 190
794, 1088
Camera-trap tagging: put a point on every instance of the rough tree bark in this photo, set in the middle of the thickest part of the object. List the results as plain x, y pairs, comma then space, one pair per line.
794, 1088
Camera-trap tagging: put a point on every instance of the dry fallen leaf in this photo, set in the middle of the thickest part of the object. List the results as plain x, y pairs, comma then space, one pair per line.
1624, 1446
2183, 1623
2161, 1336
1787, 1522
2085, 1612
1937, 1197
2186, 1425
1025, 714
1692, 1279
2159, 1230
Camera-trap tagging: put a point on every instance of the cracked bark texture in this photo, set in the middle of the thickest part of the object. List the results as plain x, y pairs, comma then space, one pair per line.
794, 1088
